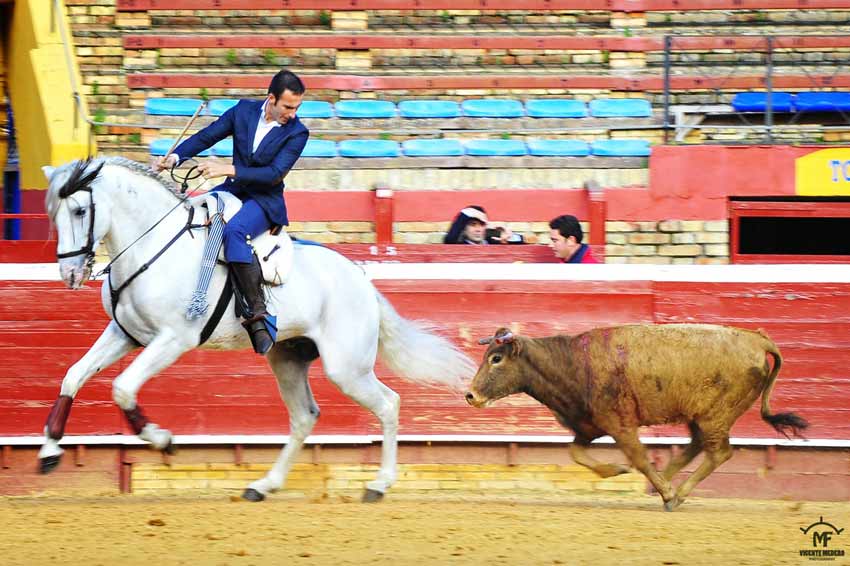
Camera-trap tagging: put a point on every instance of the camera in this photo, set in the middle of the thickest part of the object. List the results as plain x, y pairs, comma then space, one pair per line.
494, 236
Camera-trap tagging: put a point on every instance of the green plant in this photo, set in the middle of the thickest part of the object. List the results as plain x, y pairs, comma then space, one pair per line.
231, 56
325, 18
98, 118
135, 138
384, 136
203, 93
95, 88
269, 56
668, 18
627, 32
606, 56
505, 136
445, 16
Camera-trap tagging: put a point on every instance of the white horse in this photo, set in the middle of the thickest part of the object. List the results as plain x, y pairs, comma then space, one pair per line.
326, 307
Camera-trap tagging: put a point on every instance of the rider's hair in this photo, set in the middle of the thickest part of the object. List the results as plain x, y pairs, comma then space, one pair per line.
286, 80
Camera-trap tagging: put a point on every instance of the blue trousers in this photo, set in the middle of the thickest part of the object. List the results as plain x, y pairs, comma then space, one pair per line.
249, 221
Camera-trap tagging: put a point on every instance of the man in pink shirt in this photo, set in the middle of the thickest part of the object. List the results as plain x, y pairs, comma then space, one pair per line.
566, 235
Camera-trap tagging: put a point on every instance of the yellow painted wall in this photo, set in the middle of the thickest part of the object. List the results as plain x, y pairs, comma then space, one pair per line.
3, 141
41, 92
825, 172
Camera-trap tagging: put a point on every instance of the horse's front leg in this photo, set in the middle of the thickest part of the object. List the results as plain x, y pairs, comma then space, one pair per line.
158, 355
111, 346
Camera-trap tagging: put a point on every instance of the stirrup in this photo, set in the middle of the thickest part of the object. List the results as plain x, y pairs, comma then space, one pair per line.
261, 340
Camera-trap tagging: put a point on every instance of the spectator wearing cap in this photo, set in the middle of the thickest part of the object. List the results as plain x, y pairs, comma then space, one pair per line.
468, 227
566, 235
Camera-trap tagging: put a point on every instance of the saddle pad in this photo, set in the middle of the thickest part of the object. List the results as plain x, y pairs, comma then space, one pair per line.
275, 251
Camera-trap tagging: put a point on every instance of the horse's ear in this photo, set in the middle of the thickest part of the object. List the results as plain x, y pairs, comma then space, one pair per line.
48, 171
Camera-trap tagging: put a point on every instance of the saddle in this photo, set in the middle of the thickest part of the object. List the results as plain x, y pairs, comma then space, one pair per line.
273, 248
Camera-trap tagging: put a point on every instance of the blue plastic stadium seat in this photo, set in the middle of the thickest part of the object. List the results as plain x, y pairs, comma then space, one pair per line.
492, 108
365, 109
555, 108
315, 109
620, 148
575, 148
369, 148
319, 148
219, 106
171, 106
823, 101
161, 145
495, 147
429, 109
757, 102
620, 108
425, 148
224, 148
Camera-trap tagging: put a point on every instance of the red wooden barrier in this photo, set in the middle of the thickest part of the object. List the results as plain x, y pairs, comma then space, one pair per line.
44, 328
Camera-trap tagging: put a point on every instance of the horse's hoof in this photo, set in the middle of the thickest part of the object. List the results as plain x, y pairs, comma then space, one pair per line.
252, 494
372, 496
48, 463
673, 503
170, 448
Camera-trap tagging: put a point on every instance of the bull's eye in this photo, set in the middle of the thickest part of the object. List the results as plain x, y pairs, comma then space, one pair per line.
496, 359
79, 212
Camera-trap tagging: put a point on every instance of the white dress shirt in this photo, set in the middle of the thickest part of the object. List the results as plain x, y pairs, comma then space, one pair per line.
263, 127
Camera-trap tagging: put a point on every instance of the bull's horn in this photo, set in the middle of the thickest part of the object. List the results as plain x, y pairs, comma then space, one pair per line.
504, 338
483, 341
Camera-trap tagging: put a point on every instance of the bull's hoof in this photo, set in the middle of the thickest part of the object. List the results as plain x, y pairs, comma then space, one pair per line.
372, 496
673, 503
252, 494
48, 463
611, 470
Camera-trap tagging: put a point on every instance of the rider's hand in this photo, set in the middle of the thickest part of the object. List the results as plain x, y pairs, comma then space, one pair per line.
211, 168
166, 162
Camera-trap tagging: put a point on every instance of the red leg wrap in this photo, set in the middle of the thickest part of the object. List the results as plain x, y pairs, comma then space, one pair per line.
59, 416
136, 418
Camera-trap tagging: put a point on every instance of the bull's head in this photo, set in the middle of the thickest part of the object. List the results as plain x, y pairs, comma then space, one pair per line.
500, 373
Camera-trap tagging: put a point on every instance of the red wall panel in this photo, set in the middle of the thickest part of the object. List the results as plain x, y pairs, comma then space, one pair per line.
44, 328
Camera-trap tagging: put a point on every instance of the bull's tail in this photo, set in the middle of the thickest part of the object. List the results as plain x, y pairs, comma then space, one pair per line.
413, 351
781, 422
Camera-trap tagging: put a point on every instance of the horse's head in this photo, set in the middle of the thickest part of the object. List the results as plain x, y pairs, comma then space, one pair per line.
70, 203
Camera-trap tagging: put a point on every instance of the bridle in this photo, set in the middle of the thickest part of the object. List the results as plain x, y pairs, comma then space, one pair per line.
87, 249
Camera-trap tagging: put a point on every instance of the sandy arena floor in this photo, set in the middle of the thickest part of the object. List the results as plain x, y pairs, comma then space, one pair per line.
220, 529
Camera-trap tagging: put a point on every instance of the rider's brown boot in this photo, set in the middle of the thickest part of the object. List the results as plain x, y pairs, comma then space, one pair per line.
249, 278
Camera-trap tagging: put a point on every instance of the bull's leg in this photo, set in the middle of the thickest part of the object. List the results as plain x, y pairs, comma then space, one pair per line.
717, 451
291, 373
578, 452
158, 355
629, 443
111, 346
684, 458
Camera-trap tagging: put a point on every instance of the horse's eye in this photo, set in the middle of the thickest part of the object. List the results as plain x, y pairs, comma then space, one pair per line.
496, 359
80, 212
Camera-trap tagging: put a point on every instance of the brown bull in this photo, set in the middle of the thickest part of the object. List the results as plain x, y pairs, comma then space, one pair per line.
613, 380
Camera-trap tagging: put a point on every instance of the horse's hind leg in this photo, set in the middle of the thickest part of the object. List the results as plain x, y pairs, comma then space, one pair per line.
158, 355
111, 346
291, 372
384, 403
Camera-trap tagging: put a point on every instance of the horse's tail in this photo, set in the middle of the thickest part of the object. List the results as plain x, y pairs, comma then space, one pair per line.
415, 352
779, 421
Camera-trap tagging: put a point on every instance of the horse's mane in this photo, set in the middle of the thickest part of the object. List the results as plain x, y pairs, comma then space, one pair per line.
86, 170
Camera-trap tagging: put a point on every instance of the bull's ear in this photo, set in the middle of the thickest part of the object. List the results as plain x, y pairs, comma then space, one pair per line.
516, 346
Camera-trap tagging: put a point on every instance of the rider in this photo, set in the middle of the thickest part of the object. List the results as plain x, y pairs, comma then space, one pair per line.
268, 139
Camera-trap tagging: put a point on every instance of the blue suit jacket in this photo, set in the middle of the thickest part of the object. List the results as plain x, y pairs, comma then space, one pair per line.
259, 175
